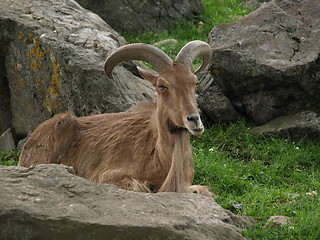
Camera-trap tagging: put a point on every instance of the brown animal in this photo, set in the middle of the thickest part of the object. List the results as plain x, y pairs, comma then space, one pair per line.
146, 148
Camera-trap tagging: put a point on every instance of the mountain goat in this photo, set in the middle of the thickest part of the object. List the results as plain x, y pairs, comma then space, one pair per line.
146, 148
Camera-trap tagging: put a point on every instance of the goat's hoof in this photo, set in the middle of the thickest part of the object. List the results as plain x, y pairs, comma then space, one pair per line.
204, 190
138, 186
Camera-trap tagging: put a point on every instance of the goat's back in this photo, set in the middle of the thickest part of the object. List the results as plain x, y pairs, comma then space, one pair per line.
50, 141
95, 144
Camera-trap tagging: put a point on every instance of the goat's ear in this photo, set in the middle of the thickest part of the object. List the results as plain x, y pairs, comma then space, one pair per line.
148, 76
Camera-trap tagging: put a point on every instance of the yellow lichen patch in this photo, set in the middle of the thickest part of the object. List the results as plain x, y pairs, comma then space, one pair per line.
39, 84
29, 38
55, 84
22, 83
54, 90
29, 55
30, 35
20, 36
36, 53
36, 65
215, 71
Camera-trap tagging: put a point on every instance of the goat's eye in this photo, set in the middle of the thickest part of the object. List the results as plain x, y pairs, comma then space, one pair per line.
162, 87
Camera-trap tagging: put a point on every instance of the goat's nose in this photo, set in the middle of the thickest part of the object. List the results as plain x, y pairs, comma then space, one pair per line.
193, 118
193, 124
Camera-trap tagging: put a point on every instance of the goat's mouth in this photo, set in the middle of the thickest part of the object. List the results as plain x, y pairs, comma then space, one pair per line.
193, 124
197, 131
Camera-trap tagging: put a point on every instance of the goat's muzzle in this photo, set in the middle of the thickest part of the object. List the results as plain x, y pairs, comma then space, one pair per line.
194, 124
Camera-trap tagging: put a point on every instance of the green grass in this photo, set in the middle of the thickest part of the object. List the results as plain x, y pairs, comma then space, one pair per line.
9, 158
262, 176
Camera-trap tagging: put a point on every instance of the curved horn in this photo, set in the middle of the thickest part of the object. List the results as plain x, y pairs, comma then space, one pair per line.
195, 49
137, 51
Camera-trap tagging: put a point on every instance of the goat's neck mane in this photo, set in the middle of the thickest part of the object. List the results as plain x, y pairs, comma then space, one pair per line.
176, 180
174, 129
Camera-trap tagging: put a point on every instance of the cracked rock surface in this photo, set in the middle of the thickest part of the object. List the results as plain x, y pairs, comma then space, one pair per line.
49, 202
267, 64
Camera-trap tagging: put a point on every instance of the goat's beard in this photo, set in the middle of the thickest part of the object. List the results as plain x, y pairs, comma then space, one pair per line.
174, 129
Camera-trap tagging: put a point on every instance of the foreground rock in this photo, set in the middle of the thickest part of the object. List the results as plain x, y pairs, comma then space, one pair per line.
47, 201
142, 15
52, 54
267, 64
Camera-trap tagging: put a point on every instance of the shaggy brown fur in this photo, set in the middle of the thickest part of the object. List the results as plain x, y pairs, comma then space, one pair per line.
145, 148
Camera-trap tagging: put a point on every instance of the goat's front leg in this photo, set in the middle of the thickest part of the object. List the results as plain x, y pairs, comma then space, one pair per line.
124, 181
204, 190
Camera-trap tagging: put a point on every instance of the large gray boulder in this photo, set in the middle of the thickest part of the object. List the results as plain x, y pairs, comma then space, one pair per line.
267, 64
141, 15
5, 111
48, 202
213, 102
52, 54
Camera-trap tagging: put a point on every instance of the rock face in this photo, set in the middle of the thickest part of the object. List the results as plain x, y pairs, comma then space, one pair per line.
52, 55
47, 201
7, 141
267, 64
253, 4
5, 111
141, 15
213, 102
297, 126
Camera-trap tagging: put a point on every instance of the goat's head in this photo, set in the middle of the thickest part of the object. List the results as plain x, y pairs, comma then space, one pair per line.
175, 84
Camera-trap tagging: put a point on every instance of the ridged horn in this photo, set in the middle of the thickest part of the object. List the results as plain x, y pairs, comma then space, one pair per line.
195, 49
137, 51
